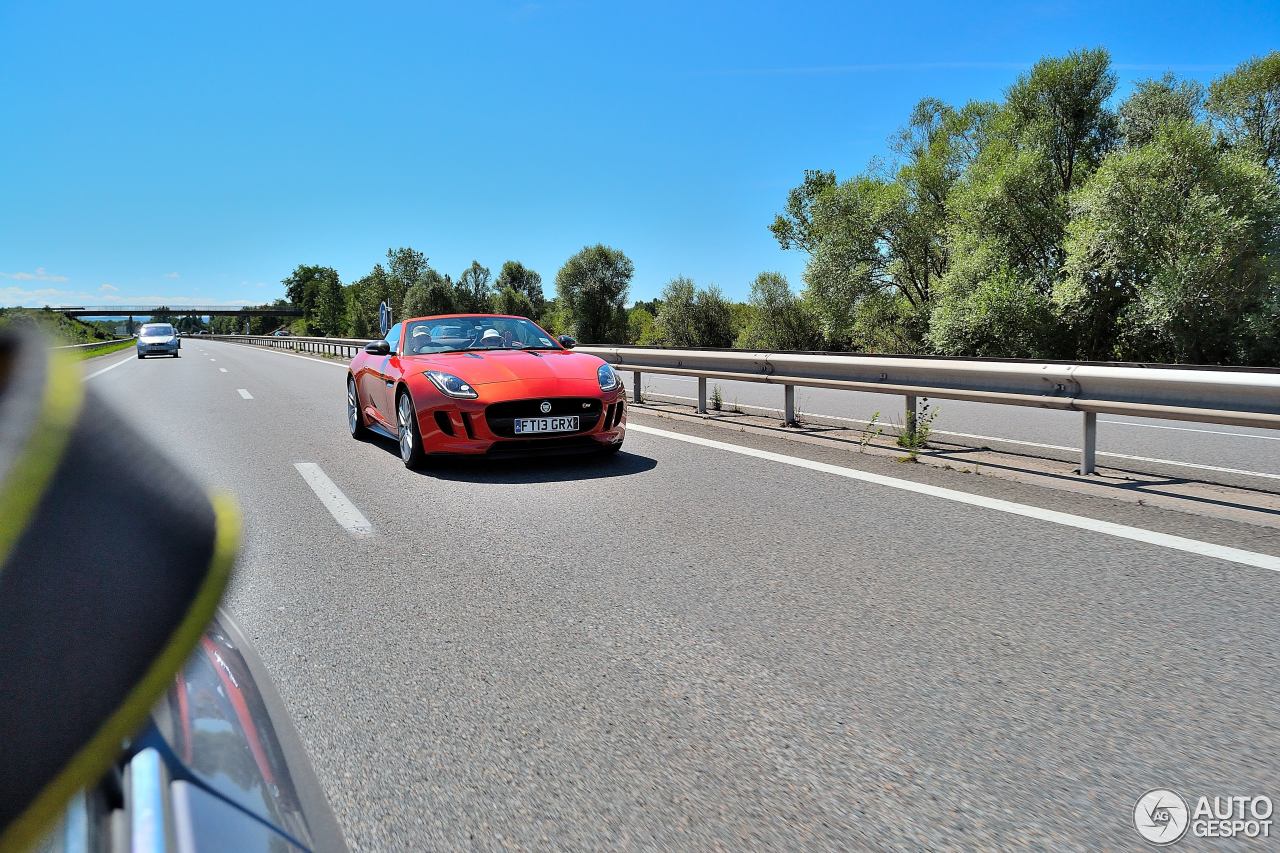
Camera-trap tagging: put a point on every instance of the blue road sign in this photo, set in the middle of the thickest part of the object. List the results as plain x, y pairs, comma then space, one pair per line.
384, 317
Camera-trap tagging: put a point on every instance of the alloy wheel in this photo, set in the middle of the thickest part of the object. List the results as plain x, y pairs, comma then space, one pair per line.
353, 407
404, 418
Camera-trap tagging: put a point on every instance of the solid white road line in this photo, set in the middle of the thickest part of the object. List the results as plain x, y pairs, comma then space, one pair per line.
1190, 429
213, 359
1038, 444
343, 511
222, 370
245, 393
1121, 531
111, 367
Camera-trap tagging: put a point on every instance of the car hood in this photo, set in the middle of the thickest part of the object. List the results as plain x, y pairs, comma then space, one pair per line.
156, 339
488, 366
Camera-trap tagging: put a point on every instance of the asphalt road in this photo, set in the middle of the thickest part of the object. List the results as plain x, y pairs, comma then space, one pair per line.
690, 648
1237, 448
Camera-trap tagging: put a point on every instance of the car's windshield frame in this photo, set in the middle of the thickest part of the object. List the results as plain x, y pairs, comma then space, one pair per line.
514, 333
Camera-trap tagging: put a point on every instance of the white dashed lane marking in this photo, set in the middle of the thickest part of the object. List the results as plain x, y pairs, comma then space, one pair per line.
343, 511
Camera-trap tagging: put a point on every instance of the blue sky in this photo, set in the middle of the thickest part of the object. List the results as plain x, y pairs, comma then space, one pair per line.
190, 152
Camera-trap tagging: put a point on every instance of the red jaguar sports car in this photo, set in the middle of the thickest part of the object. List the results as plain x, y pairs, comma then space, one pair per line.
479, 384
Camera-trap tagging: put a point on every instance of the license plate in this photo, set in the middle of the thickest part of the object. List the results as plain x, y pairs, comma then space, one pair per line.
528, 425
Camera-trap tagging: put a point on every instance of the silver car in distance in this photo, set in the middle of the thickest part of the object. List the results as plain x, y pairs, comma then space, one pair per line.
158, 339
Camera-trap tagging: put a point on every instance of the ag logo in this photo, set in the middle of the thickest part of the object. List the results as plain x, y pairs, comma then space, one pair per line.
1160, 816
545, 408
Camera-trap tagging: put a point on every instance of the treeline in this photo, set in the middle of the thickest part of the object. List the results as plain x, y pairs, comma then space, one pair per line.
589, 302
1052, 225
591, 292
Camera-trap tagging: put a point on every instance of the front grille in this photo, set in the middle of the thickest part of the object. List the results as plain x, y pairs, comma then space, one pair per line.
501, 416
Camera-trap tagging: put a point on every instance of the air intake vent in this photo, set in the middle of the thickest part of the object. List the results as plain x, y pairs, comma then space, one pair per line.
443, 422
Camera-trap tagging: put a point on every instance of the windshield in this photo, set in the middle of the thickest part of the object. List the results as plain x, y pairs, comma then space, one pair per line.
455, 334
157, 330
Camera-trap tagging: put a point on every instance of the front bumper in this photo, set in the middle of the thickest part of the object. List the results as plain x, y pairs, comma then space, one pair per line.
484, 426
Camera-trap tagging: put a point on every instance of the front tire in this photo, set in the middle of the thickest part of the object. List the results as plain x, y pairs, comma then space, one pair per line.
355, 416
140, 355
410, 436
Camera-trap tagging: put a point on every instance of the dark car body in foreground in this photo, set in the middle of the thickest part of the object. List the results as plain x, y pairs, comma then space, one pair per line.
483, 384
218, 767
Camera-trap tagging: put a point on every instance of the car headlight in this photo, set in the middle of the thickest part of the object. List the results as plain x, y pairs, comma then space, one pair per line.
451, 385
608, 378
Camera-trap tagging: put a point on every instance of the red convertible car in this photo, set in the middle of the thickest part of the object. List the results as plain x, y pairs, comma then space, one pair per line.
483, 384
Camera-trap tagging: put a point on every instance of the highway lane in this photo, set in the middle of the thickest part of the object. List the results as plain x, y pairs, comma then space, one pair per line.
683, 647
1233, 447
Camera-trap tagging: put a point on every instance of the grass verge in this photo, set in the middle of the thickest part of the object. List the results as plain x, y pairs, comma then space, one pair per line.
105, 349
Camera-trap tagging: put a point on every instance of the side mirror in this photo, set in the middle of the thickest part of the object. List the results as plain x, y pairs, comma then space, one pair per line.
567, 342
378, 348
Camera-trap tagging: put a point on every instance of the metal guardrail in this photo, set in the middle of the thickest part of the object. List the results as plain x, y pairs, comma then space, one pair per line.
93, 344
1207, 395
320, 346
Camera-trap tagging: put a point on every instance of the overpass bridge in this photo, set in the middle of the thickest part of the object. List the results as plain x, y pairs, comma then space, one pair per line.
181, 310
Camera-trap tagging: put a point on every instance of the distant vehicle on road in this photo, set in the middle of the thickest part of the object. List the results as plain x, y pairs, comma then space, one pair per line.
281, 333
481, 384
158, 339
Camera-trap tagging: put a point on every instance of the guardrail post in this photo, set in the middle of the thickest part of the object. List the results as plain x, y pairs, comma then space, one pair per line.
910, 416
1088, 452
789, 405
702, 395
636, 396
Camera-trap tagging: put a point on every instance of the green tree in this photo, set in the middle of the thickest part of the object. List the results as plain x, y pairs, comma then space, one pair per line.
472, 290
675, 323
1009, 214
317, 291
1246, 103
1059, 109
432, 293
330, 307
713, 318
780, 320
694, 317
878, 243
358, 324
516, 302
1155, 103
1173, 254
521, 279
641, 329
794, 227
404, 267
366, 295
592, 288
